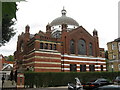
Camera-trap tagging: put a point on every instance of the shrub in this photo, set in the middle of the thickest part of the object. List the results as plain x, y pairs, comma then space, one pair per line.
48, 79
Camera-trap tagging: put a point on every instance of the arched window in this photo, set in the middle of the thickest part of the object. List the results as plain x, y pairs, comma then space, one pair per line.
72, 47
55, 47
73, 67
46, 46
90, 49
82, 68
82, 47
50, 46
41, 45
101, 67
92, 68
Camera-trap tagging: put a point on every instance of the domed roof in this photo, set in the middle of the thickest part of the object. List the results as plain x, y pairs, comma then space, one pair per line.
64, 20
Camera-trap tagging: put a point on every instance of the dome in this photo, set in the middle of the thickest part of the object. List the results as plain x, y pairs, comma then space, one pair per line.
64, 19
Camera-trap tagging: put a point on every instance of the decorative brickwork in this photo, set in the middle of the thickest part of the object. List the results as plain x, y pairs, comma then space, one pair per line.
57, 49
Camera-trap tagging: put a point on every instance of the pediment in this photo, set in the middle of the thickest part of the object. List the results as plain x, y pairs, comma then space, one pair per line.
80, 31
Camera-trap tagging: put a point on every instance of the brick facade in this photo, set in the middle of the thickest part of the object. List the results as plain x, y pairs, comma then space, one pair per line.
43, 52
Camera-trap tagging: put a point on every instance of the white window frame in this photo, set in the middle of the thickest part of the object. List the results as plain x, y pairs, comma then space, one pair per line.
114, 57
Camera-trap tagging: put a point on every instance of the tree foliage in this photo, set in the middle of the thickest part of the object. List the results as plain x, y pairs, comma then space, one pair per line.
8, 13
9, 58
106, 54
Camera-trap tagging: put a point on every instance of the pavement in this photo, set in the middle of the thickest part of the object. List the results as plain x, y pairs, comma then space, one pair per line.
9, 85
46, 88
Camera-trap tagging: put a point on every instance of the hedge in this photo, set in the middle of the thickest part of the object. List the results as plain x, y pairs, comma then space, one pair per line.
53, 79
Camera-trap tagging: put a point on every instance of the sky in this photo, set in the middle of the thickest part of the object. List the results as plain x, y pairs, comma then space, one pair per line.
101, 15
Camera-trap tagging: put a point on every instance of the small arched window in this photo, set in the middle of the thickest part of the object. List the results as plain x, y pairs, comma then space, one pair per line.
50, 46
72, 47
92, 68
55, 47
41, 45
90, 49
46, 46
82, 47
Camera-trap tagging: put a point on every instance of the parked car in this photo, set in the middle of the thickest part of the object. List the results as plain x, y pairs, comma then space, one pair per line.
96, 83
117, 80
76, 86
108, 87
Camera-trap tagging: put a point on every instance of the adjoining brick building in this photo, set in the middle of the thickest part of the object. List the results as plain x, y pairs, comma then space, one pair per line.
64, 47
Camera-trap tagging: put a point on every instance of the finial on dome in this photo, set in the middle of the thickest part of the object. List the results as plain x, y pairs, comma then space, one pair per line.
63, 11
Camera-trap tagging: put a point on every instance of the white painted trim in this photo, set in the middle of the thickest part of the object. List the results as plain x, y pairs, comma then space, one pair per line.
85, 57
47, 62
83, 61
48, 42
87, 69
66, 64
66, 68
43, 57
42, 63
48, 68
78, 68
104, 69
97, 69
87, 65
41, 51
97, 65
50, 51
104, 65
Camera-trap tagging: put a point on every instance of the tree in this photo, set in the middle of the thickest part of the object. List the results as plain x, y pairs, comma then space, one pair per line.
107, 61
8, 13
106, 54
9, 58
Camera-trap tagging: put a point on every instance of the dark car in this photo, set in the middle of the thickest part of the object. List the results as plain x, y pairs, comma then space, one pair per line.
117, 80
108, 87
95, 84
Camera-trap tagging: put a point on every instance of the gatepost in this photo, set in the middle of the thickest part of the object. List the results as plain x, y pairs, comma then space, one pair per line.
20, 80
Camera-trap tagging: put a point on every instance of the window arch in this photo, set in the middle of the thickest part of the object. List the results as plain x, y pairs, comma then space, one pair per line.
72, 46
82, 47
90, 49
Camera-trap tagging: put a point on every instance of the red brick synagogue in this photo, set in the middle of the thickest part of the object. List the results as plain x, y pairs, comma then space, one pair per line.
64, 47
